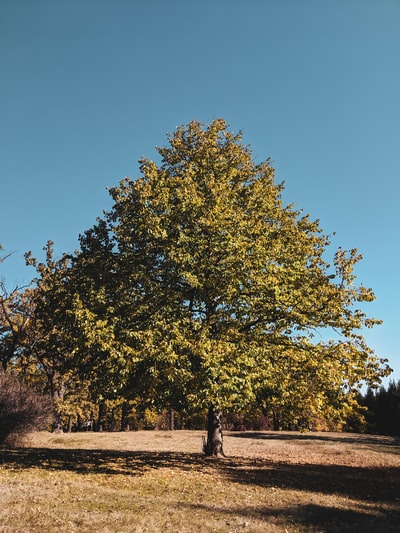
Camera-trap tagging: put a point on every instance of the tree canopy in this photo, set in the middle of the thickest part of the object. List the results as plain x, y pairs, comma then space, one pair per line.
200, 287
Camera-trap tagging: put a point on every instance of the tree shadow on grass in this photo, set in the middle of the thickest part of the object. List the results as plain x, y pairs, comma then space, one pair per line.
375, 443
367, 484
374, 492
311, 517
350, 438
96, 461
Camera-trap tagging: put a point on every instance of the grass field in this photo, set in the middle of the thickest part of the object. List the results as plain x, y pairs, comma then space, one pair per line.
160, 482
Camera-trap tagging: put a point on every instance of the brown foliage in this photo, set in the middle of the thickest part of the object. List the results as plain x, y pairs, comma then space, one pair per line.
22, 410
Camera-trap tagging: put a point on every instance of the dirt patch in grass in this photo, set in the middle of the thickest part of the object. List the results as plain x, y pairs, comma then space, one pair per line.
160, 481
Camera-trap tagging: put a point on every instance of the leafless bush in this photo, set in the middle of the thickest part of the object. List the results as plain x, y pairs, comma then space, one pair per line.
22, 410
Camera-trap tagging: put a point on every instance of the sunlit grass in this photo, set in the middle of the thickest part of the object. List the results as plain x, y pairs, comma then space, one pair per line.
159, 481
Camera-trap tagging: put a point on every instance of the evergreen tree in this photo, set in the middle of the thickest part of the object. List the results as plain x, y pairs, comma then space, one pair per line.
383, 409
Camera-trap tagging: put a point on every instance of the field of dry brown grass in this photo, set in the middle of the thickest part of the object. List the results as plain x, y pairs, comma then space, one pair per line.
160, 481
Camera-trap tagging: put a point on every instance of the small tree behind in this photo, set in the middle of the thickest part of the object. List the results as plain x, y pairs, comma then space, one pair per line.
22, 410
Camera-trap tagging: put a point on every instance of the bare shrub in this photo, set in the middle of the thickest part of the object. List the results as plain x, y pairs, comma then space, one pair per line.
22, 410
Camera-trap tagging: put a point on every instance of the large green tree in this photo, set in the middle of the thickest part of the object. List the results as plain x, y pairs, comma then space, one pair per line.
218, 295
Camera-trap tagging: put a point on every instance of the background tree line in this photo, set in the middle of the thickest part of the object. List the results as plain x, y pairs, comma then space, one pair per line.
199, 290
382, 410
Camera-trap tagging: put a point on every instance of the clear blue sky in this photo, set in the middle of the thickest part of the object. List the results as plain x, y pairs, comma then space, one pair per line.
88, 86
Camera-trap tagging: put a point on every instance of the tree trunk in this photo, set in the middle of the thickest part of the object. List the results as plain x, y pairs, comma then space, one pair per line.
275, 419
102, 419
213, 447
124, 417
171, 419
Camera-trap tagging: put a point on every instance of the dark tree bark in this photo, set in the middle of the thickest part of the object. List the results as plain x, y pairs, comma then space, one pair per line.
171, 420
213, 447
69, 424
124, 417
102, 419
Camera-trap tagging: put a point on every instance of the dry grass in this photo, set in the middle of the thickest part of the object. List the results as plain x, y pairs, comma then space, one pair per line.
159, 481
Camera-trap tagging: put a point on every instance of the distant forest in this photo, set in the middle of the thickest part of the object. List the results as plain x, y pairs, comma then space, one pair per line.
383, 410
